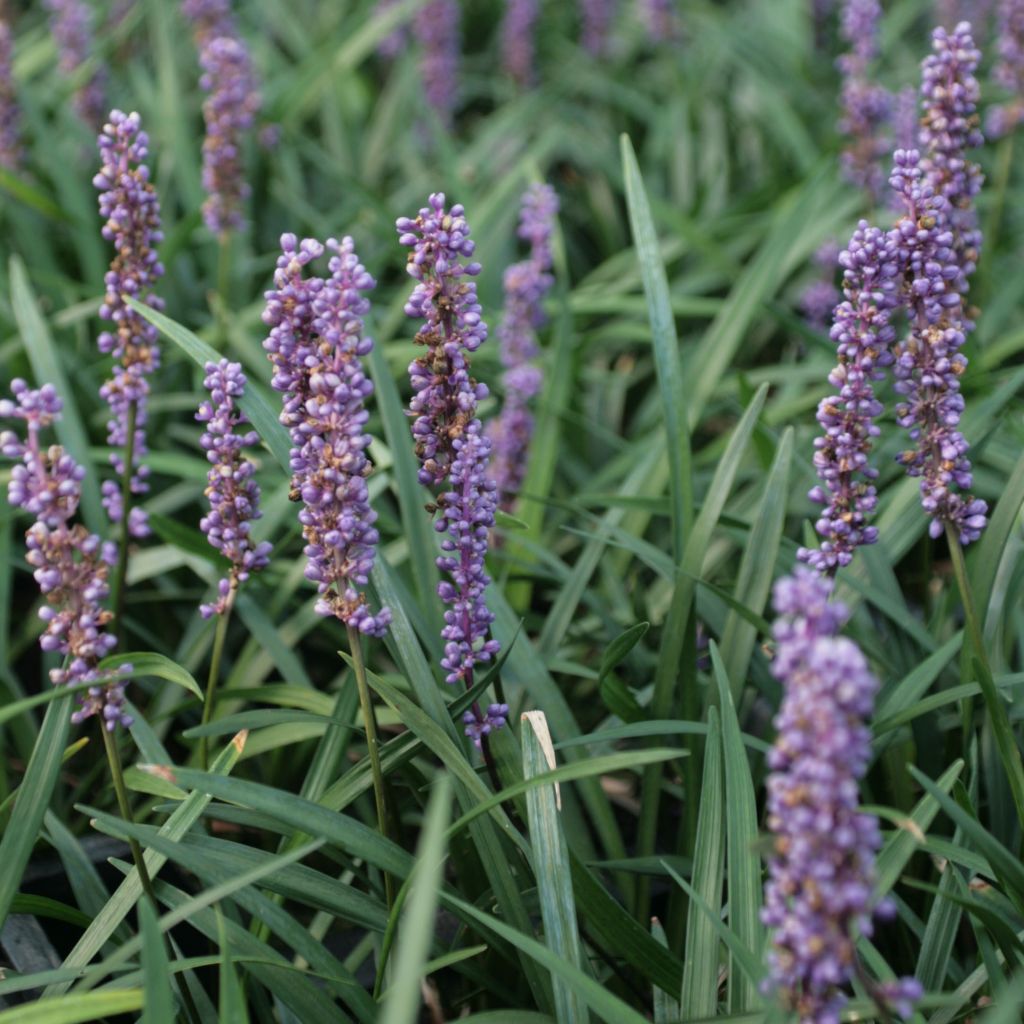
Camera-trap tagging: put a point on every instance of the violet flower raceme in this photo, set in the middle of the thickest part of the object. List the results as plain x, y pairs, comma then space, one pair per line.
526, 284
821, 872
10, 143
905, 121
450, 442
596, 17
129, 203
69, 563
1009, 70
820, 297
233, 493
517, 40
437, 30
209, 19
928, 361
71, 24
866, 107
864, 335
316, 345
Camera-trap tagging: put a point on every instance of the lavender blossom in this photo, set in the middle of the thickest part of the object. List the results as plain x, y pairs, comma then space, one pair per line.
864, 335
596, 17
450, 441
71, 24
821, 872
69, 563
234, 494
517, 42
659, 18
928, 361
526, 284
436, 28
905, 121
10, 143
1009, 70
209, 19
866, 106
131, 208
229, 111
949, 127
316, 345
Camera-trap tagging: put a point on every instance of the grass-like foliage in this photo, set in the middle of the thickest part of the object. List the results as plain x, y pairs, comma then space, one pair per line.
495, 693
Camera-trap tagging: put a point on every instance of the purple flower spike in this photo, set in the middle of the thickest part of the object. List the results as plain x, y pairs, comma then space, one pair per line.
495, 718
660, 19
392, 45
316, 346
866, 106
229, 111
71, 24
1009, 71
517, 42
69, 563
234, 494
131, 208
10, 143
864, 337
928, 361
949, 127
437, 30
526, 284
596, 17
819, 897
450, 441
820, 297
209, 19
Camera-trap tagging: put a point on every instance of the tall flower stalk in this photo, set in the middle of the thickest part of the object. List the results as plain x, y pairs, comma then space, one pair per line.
234, 499
518, 45
596, 17
437, 29
453, 450
129, 203
819, 897
71, 24
526, 284
316, 345
1009, 69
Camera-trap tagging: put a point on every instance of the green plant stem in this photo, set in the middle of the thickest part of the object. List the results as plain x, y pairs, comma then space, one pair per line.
211, 682
223, 287
121, 791
121, 572
373, 748
1002, 731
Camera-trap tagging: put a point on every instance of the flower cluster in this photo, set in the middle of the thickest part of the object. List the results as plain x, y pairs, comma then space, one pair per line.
821, 872
209, 19
819, 298
233, 493
517, 43
10, 145
596, 17
69, 563
129, 204
526, 284
316, 345
71, 24
1009, 71
863, 333
866, 106
450, 441
437, 30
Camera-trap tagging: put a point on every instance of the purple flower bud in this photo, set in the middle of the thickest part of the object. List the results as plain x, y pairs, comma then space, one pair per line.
596, 17
819, 895
71, 24
69, 564
517, 40
10, 142
437, 30
450, 441
316, 343
526, 284
234, 494
1009, 70
128, 201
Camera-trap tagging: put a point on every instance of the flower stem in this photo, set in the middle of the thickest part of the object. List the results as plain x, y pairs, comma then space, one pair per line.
999, 720
211, 682
373, 747
121, 791
121, 572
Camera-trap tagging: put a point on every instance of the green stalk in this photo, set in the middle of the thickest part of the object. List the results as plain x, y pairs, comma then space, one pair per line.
118, 584
223, 287
373, 747
1002, 731
211, 682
